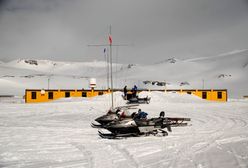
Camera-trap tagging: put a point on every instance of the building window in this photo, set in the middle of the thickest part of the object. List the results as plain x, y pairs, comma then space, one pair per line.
67, 94
188, 92
50, 95
33, 95
100, 93
219, 95
84, 94
204, 95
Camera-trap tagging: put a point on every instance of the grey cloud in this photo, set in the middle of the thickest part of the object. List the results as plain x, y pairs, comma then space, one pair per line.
61, 30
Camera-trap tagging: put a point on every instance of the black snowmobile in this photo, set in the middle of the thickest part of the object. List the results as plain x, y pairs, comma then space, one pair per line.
112, 115
138, 100
135, 99
129, 127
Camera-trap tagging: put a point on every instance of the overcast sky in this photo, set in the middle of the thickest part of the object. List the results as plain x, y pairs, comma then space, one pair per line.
154, 29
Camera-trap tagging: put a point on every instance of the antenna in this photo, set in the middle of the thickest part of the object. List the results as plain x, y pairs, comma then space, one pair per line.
48, 82
110, 61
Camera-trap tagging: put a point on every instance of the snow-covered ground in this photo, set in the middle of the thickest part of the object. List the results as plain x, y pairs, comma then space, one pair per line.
59, 134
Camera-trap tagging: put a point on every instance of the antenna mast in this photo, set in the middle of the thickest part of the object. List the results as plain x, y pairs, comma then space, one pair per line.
111, 69
110, 61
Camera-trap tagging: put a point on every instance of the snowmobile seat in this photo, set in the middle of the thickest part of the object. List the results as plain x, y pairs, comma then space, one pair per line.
162, 114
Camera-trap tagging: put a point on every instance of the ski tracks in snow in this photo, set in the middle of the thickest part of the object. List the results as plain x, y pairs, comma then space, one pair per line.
212, 128
122, 150
86, 153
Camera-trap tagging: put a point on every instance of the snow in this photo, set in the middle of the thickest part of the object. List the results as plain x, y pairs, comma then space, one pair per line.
223, 71
58, 134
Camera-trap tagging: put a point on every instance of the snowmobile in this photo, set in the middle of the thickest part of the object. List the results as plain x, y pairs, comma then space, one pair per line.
131, 127
137, 100
112, 115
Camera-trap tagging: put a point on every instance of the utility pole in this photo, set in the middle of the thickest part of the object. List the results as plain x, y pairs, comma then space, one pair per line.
50, 75
165, 89
48, 82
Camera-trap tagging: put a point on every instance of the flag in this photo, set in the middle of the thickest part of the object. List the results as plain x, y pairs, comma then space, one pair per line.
110, 39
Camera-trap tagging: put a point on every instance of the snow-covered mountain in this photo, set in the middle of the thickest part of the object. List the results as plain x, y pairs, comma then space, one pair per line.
61, 68
217, 72
224, 71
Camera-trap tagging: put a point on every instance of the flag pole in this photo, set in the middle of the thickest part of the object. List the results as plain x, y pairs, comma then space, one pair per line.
111, 70
106, 55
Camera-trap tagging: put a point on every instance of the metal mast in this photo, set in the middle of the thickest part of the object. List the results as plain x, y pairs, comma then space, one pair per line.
111, 68
110, 61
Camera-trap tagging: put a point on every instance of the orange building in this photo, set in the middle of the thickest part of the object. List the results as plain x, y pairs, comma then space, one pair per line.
37, 95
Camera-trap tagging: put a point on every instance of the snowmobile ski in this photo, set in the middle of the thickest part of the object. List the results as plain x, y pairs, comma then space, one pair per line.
93, 125
116, 136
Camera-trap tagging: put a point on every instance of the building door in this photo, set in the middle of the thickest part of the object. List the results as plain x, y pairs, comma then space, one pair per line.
33, 95
219, 95
50, 95
204, 95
